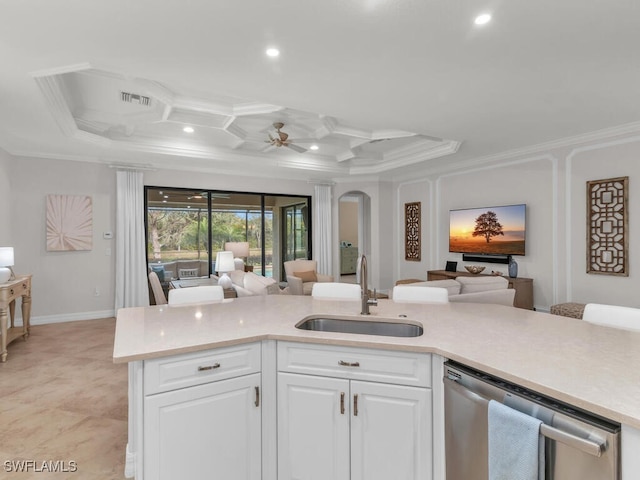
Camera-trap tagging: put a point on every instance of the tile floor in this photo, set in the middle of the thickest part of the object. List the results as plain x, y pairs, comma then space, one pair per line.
64, 400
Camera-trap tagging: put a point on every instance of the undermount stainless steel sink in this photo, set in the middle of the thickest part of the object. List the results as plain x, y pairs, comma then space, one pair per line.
363, 327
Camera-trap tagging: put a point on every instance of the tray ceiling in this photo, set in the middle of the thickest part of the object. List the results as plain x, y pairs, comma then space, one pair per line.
386, 88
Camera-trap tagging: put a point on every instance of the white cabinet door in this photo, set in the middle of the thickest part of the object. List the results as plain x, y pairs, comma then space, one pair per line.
390, 432
210, 431
313, 428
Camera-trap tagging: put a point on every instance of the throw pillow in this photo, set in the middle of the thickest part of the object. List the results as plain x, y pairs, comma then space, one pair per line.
309, 276
159, 269
188, 272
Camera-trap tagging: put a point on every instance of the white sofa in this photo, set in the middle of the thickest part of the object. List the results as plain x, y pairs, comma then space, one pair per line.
247, 284
485, 289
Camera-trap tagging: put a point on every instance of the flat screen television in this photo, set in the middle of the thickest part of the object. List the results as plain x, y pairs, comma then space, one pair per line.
488, 231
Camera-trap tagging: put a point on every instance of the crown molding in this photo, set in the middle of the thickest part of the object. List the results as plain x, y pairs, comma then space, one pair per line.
50, 72
589, 137
51, 88
419, 156
255, 108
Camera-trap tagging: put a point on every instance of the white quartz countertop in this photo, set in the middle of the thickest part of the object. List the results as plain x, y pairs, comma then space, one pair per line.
592, 367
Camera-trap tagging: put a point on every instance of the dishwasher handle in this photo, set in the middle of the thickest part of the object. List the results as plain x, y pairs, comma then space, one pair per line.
584, 445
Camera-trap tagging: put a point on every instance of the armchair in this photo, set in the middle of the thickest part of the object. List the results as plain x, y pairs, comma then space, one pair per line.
302, 275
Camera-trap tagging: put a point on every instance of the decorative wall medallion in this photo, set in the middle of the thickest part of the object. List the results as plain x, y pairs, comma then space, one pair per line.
412, 231
69, 223
607, 226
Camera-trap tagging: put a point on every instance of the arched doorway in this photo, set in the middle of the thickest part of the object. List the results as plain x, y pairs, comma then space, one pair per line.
353, 232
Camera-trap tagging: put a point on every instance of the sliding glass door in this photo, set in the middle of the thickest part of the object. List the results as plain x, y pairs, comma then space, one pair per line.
186, 228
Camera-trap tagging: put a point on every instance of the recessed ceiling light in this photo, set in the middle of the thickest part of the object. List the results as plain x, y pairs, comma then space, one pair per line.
482, 19
188, 129
314, 147
273, 52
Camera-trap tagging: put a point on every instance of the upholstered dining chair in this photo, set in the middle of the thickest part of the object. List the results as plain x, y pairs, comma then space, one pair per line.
199, 294
336, 290
612, 316
156, 288
411, 294
302, 275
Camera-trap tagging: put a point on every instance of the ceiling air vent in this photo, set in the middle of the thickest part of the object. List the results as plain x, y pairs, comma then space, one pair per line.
135, 98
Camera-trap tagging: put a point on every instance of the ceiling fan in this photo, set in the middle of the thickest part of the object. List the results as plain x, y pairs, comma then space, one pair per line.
282, 139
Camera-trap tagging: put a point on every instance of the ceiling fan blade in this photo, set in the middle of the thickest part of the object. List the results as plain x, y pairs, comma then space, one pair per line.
296, 148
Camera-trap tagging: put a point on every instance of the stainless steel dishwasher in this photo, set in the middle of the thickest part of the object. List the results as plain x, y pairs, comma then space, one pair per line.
578, 445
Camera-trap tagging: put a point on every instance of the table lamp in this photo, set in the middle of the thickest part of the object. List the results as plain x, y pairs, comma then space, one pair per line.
240, 252
224, 264
6, 262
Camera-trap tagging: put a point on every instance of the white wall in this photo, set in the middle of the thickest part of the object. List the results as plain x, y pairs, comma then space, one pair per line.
553, 185
5, 200
64, 283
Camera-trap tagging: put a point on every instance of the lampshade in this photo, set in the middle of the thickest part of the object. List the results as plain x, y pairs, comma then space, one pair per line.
6, 256
224, 262
239, 249
6, 262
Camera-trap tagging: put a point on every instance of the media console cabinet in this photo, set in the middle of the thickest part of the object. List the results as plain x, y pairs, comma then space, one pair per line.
522, 286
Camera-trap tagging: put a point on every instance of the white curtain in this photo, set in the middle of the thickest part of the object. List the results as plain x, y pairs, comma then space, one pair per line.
322, 231
131, 268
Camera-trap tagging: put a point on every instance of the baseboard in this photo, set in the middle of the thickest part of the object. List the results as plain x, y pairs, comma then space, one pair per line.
68, 317
130, 464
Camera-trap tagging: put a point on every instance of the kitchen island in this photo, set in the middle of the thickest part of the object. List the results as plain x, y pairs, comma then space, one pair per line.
589, 366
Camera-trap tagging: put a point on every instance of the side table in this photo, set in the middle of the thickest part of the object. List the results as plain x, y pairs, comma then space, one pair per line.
9, 292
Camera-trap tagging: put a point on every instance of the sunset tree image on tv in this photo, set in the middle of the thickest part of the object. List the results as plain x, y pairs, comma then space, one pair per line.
492, 230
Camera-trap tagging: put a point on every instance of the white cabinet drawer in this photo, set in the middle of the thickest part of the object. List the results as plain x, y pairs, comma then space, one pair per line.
180, 371
401, 368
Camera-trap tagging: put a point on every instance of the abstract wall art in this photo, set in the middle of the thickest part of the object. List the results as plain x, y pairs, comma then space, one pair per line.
69, 223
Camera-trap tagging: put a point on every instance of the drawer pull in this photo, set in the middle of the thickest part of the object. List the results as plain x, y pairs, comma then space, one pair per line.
208, 367
342, 363
342, 403
355, 405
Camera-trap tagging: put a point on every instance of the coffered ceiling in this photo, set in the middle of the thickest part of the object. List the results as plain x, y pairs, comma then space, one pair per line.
142, 115
382, 87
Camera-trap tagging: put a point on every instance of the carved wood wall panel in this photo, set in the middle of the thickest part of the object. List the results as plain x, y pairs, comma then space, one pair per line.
412, 246
607, 226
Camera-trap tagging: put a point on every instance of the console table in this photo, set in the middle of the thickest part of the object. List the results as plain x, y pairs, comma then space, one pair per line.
522, 286
9, 292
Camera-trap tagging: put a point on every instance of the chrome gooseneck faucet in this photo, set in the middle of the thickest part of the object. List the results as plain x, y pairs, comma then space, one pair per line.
366, 301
